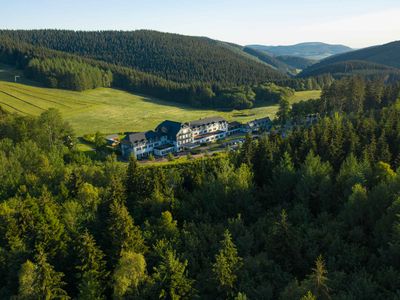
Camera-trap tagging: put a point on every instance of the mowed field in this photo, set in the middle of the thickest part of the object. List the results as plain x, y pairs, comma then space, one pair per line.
111, 111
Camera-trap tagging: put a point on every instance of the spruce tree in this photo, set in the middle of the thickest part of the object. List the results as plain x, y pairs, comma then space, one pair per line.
227, 265
318, 280
39, 280
92, 268
171, 278
123, 234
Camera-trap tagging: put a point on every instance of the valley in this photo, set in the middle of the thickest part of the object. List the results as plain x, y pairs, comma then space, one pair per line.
109, 110
213, 150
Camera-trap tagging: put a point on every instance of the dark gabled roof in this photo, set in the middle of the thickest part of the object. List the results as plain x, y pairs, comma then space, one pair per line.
169, 128
256, 121
206, 121
136, 137
234, 124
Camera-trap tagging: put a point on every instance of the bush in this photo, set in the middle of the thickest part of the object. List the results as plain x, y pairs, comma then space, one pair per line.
170, 157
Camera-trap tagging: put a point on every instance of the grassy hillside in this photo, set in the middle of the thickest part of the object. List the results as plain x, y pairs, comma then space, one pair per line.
179, 58
110, 110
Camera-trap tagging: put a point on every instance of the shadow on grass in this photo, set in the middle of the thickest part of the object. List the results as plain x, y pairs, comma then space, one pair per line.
189, 107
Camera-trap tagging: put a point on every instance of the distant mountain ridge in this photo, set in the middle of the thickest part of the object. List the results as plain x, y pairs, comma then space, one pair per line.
382, 58
310, 50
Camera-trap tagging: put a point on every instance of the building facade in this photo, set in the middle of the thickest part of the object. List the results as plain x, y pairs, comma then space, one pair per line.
208, 130
178, 134
173, 137
142, 144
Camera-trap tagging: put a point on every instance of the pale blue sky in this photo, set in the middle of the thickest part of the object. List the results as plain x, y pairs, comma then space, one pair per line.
356, 23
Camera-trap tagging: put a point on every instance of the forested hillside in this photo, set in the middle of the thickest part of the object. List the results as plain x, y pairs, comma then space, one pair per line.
60, 69
314, 215
296, 61
269, 59
173, 57
387, 55
81, 71
352, 67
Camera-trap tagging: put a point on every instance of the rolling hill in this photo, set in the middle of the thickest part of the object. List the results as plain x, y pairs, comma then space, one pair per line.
314, 51
377, 59
296, 62
350, 67
179, 58
270, 60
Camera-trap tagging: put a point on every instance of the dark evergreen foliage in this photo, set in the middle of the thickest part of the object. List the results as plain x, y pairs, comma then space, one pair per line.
64, 70
351, 68
313, 215
296, 61
173, 57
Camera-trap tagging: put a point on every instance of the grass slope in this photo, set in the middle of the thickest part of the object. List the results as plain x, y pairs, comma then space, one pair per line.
110, 110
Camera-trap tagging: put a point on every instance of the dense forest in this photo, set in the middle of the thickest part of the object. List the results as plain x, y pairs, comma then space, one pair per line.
351, 68
173, 57
270, 60
296, 61
63, 70
67, 74
387, 54
313, 215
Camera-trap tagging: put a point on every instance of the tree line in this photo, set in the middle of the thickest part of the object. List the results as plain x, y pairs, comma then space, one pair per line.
67, 74
314, 215
350, 95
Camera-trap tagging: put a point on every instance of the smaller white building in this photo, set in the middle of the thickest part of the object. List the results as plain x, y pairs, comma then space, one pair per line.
142, 144
173, 137
209, 130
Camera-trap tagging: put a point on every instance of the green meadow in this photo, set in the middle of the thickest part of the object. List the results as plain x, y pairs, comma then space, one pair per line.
110, 110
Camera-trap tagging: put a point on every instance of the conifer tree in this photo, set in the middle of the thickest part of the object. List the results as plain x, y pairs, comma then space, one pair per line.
27, 277
284, 180
92, 268
171, 278
308, 296
39, 280
247, 150
283, 113
134, 177
227, 265
124, 235
318, 280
